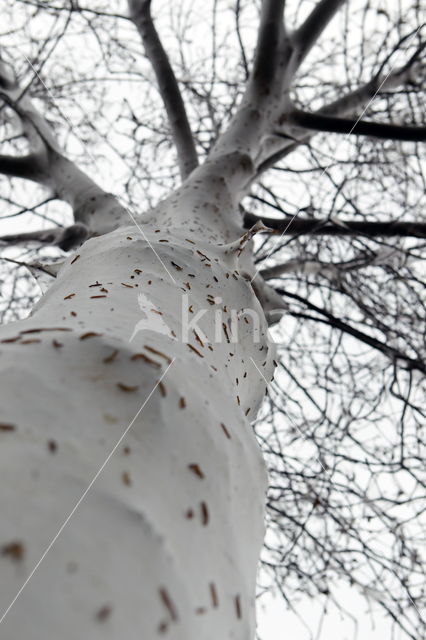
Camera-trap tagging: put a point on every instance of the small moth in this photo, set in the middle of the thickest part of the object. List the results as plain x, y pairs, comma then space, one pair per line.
126, 387
195, 351
204, 514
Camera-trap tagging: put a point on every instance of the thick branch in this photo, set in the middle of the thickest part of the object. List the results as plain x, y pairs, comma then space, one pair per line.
299, 226
331, 270
320, 122
140, 13
261, 102
232, 159
47, 165
29, 167
352, 103
66, 239
269, 41
308, 33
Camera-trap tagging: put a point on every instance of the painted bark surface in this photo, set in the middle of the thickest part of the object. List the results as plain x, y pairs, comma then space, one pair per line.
168, 537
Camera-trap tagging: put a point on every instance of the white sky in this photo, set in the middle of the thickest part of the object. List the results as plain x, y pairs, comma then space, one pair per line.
277, 623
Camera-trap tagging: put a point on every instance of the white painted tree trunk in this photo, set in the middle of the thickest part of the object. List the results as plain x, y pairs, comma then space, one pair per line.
165, 538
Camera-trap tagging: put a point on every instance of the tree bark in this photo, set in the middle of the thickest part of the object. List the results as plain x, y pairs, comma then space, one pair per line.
133, 486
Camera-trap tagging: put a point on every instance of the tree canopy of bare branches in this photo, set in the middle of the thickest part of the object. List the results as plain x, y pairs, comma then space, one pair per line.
137, 96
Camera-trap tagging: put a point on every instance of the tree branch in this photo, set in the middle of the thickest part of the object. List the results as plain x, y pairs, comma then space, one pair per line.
269, 44
308, 33
327, 227
29, 167
332, 270
350, 104
260, 105
140, 14
46, 164
319, 122
66, 239
232, 158
353, 101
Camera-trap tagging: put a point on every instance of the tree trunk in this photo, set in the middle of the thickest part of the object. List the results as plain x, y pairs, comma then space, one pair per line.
133, 485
